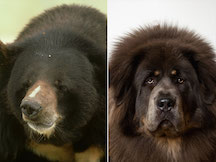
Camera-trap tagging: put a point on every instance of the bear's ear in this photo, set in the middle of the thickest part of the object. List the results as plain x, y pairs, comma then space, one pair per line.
97, 56
98, 59
3, 54
5, 65
9, 53
205, 67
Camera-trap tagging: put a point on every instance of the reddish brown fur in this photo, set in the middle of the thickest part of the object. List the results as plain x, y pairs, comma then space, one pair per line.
126, 145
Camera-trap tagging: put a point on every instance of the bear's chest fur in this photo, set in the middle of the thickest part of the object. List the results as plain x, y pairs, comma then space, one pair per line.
65, 153
53, 153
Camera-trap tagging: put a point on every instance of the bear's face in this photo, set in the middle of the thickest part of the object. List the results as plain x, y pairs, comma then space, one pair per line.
52, 93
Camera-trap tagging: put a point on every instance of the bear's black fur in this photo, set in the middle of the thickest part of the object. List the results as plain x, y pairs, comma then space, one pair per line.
65, 45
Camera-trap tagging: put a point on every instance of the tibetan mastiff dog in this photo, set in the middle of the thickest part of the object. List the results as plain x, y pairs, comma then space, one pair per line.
52, 88
162, 97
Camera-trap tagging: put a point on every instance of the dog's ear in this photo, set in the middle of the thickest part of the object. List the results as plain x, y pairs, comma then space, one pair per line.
122, 69
207, 77
205, 66
12, 139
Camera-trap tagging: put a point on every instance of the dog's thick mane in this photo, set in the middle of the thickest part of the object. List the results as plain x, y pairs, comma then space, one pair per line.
128, 145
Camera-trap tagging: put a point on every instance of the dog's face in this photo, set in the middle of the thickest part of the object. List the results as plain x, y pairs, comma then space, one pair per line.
51, 96
164, 91
162, 96
167, 86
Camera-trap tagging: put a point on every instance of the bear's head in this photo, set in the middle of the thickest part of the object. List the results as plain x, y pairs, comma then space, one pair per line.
53, 90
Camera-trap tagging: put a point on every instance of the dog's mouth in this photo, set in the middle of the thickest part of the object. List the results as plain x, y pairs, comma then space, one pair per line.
165, 128
165, 125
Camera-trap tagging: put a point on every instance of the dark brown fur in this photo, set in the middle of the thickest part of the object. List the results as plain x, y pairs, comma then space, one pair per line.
197, 142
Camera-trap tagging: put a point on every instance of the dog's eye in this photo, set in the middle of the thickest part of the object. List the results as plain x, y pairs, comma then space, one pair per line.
150, 81
180, 80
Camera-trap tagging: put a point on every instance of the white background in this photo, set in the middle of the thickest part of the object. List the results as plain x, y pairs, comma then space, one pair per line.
196, 15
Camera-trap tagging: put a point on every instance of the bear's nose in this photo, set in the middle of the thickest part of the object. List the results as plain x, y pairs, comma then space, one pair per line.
165, 104
30, 108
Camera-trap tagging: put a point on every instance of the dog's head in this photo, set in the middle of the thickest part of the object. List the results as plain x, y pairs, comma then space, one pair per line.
164, 85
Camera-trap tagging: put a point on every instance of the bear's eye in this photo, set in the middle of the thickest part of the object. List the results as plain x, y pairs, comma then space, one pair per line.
150, 81
60, 86
180, 80
27, 84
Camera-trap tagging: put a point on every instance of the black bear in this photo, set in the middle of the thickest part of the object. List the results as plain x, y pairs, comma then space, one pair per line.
52, 88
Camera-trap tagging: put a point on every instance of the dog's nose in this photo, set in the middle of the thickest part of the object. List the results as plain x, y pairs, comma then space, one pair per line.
30, 108
165, 104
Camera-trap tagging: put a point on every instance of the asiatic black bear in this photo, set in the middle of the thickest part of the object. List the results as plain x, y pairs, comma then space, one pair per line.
52, 88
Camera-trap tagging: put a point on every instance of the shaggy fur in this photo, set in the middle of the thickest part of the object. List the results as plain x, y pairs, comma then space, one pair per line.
65, 47
135, 57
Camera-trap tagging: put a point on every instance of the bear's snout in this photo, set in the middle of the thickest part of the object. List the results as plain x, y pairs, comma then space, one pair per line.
30, 108
39, 108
